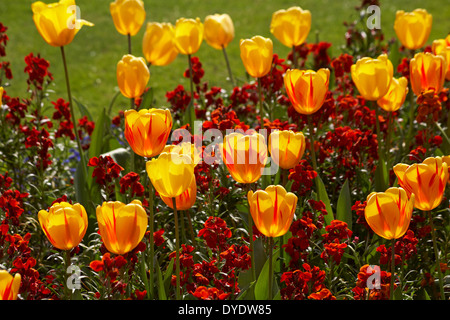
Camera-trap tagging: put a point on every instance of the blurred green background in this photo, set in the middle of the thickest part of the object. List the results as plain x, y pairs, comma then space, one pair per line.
93, 55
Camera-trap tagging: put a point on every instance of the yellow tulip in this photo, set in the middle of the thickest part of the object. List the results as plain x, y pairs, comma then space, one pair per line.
158, 43
413, 28
121, 226
389, 213
372, 77
1, 95
186, 148
57, 22
9, 285
171, 173
245, 156
272, 210
395, 97
185, 200
427, 72
286, 148
291, 27
132, 76
307, 89
257, 55
64, 224
219, 30
128, 16
147, 130
442, 47
188, 35
426, 180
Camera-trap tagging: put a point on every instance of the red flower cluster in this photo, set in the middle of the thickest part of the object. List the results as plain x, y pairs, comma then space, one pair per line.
334, 241
405, 248
3, 39
131, 181
359, 208
215, 233
42, 141
85, 129
224, 118
62, 114
37, 69
111, 266
179, 100
106, 170
361, 290
204, 293
197, 70
342, 68
303, 176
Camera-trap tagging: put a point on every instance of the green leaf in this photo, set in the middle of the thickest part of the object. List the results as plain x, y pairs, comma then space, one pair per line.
262, 284
323, 196
344, 205
83, 110
161, 289
381, 176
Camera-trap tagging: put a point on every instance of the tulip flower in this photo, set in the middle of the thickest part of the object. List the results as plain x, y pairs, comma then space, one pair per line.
147, 130
9, 285
185, 200
442, 47
121, 226
307, 89
128, 16
395, 97
188, 35
426, 180
57, 22
286, 148
245, 156
158, 43
64, 224
132, 76
291, 27
219, 30
171, 173
186, 148
389, 213
372, 77
257, 55
413, 28
1, 95
427, 72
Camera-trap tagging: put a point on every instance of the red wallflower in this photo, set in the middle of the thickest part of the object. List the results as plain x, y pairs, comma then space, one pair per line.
215, 233
360, 291
204, 293
303, 176
131, 181
3, 39
106, 170
197, 70
301, 284
37, 69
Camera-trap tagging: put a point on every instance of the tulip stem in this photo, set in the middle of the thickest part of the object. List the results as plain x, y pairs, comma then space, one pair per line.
294, 57
230, 74
261, 110
129, 43
191, 111
177, 250
151, 226
67, 262
312, 149
391, 288
250, 236
270, 268
436, 253
74, 121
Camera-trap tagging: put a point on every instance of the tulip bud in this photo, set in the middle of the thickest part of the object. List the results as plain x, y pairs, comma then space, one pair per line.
389, 213
257, 55
395, 97
64, 224
286, 148
442, 47
426, 180
188, 35
185, 200
121, 226
291, 27
307, 89
9, 285
147, 131
272, 210
219, 30
128, 16
427, 72
57, 22
132, 76
413, 28
158, 44
372, 77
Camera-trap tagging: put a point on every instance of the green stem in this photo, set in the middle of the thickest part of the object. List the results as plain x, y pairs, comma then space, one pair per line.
312, 149
250, 235
436, 253
67, 262
230, 74
191, 111
129, 43
294, 58
391, 288
177, 249
411, 115
151, 226
270, 268
261, 109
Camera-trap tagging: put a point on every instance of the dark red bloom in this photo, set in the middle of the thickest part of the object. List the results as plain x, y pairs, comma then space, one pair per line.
131, 181
215, 233
37, 69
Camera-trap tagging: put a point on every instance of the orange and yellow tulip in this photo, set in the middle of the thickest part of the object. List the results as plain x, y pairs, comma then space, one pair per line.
372, 76
185, 200
245, 156
272, 210
121, 226
395, 97
171, 173
64, 224
188, 35
57, 22
426, 180
147, 130
9, 285
389, 213
442, 47
413, 28
132, 76
291, 27
256, 55
286, 148
307, 89
186, 148
128, 16
158, 43
219, 30
427, 72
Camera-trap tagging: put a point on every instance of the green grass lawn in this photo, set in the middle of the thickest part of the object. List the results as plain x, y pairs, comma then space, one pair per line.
94, 53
